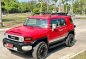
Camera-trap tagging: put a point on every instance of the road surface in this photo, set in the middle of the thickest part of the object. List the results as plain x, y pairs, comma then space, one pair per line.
60, 52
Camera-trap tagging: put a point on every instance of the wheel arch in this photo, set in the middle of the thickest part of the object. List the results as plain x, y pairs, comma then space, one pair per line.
68, 44
72, 32
43, 39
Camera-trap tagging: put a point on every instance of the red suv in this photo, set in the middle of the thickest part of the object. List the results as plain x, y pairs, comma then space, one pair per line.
40, 33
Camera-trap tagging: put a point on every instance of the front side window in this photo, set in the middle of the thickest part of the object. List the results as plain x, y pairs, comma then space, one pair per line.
36, 22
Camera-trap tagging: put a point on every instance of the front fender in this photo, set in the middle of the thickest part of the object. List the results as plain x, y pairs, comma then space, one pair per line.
40, 40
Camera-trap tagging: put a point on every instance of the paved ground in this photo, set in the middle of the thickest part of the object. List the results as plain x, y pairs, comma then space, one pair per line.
57, 52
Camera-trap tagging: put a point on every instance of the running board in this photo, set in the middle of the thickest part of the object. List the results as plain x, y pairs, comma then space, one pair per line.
52, 46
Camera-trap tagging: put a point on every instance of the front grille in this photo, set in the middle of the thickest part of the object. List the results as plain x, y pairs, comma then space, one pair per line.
13, 37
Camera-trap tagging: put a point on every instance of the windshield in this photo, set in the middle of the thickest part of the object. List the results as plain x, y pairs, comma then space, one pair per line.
36, 22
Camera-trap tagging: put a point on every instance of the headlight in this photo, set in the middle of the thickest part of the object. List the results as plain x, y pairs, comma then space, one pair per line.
21, 39
5, 35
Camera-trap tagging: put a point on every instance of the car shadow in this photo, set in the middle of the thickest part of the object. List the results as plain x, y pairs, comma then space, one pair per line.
55, 49
58, 48
51, 51
29, 55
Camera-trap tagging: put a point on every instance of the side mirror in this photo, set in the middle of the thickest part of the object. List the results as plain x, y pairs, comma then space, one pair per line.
53, 27
74, 26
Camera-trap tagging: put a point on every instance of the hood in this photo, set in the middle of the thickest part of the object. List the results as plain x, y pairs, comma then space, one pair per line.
28, 31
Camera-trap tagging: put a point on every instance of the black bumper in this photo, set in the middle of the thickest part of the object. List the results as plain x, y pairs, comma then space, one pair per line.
16, 44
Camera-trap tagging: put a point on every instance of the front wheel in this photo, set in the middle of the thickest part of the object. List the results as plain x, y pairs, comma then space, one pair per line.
11, 50
40, 51
70, 40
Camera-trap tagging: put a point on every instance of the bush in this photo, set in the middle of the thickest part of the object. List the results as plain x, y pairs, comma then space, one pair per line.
36, 10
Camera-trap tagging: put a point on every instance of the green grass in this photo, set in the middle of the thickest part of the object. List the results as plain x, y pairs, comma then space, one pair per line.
13, 20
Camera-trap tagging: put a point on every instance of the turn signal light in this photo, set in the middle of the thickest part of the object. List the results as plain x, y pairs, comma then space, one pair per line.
28, 39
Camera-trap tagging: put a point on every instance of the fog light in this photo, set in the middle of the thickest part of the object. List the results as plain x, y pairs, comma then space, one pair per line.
26, 48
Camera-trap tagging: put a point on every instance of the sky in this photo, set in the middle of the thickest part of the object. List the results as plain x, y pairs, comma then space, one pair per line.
37, 0
24, 0
51, 1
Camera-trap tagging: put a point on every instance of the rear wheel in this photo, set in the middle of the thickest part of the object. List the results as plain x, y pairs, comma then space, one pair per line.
40, 51
70, 40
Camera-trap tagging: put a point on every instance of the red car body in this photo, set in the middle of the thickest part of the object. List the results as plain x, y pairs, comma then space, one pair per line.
33, 35
37, 33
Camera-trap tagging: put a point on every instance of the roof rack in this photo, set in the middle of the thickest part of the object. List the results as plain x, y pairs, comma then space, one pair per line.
41, 13
48, 13
60, 13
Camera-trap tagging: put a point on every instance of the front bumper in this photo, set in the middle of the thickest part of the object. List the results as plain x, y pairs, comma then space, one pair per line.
18, 46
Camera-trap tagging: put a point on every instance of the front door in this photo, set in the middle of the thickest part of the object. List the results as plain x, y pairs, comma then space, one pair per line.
54, 34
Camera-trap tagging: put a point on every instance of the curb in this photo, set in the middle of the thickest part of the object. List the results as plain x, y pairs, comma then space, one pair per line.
4, 29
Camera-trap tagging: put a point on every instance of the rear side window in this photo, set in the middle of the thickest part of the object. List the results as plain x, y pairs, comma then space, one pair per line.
55, 21
62, 22
58, 21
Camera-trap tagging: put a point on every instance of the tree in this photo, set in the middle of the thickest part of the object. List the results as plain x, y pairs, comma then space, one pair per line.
76, 7
10, 5
55, 9
41, 5
80, 7
37, 9
83, 6
21, 7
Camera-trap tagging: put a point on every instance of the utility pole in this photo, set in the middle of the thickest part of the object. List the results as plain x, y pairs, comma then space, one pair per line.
41, 6
61, 6
1, 15
72, 6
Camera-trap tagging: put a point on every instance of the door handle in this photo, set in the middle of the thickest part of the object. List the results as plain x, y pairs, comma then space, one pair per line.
61, 30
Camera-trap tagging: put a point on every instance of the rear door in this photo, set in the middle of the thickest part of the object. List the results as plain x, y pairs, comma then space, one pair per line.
60, 32
62, 28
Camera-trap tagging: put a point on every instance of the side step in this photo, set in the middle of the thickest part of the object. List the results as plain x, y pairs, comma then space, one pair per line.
54, 45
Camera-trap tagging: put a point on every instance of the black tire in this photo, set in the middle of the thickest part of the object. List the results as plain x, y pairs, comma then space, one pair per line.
40, 51
70, 40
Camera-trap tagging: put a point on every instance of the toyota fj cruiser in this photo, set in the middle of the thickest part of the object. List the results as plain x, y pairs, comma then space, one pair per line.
40, 33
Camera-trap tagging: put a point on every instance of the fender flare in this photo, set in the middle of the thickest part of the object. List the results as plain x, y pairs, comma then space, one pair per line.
45, 39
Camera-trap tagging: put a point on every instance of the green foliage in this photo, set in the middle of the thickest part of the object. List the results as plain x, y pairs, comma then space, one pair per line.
13, 6
9, 5
76, 7
79, 7
23, 7
36, 10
